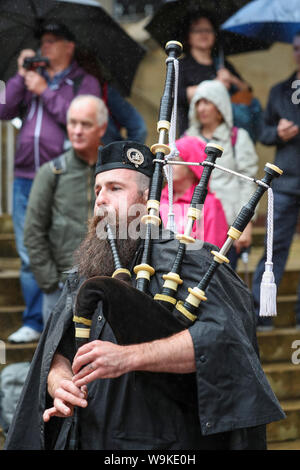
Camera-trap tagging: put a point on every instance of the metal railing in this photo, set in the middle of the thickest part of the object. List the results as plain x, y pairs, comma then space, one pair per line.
7, 152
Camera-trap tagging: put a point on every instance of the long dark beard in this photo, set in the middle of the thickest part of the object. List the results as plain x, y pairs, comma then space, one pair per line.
94, 256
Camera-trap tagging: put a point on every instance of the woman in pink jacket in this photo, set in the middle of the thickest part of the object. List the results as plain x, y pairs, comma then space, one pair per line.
213, 226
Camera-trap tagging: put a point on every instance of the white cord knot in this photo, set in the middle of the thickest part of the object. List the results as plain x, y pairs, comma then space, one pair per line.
268, 288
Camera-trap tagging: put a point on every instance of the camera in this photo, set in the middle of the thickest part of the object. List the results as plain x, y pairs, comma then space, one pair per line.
33, 63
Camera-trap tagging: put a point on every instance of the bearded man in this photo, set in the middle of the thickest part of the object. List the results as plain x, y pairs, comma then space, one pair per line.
120, 405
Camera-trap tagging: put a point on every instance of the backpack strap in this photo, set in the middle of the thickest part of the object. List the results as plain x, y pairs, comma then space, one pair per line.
58, 166
76, 83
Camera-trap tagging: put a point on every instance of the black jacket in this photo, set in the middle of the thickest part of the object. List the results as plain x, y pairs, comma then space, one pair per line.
192, 73
230, 400
283, 102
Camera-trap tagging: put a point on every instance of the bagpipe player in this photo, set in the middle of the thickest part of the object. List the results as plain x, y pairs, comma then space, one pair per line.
114, 388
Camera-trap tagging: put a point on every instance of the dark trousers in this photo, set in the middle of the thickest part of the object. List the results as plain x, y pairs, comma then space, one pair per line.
33, 296
286, 212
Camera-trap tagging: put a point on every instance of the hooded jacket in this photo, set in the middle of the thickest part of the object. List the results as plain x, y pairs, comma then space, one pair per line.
233, 192
213, 225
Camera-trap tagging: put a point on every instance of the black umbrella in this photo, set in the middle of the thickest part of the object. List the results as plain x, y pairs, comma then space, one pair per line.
171, 21
97, 36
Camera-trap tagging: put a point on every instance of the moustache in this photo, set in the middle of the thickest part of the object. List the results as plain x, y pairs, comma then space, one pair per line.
94, 256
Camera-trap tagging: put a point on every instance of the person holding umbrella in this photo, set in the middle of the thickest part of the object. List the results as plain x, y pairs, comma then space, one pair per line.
41, 100
211, 119
202, 63
41, 97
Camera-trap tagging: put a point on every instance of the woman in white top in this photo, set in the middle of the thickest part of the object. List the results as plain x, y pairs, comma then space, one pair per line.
211, 119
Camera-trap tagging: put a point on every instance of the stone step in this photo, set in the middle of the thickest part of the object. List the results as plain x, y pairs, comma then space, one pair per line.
2, 438
285, 430
10, 319
6, 224
290, 281
17, 353
277, 345
7, 245
284, 379
10, 289
285, 445
9, 264
288, 285
286, 317
286, 305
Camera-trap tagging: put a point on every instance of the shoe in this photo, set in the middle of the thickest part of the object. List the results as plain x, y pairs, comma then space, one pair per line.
264, 324
25, 334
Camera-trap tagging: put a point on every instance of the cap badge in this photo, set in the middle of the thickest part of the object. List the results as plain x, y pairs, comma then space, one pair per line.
135, 157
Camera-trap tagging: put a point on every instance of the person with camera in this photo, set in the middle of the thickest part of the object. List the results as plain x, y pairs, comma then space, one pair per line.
40, 94
40, 97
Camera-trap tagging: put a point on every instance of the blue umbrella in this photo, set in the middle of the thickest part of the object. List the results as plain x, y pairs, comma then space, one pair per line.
269, 20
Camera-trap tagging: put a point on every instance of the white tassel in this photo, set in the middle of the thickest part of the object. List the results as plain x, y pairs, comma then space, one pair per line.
268, 292
268, 288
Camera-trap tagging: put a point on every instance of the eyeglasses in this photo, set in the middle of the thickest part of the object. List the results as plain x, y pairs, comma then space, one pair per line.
202, 31
50, 41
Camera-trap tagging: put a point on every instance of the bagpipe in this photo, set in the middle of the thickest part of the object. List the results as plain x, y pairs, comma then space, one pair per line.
134, 315
127, 307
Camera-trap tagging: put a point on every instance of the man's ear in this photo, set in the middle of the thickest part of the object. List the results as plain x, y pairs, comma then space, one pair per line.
146, 195
71, 46
102, 130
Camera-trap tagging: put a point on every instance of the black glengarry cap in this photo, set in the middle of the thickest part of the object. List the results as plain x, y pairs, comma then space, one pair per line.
125, 154
58, 29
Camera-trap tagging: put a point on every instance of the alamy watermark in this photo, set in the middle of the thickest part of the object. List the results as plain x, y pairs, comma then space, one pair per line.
2, 92
296, 354
126, 223
296, 94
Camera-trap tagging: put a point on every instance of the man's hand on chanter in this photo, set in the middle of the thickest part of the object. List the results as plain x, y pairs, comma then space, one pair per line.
61, 388
100, 359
